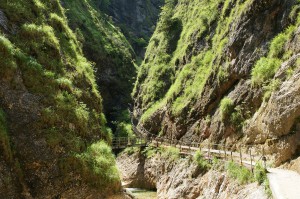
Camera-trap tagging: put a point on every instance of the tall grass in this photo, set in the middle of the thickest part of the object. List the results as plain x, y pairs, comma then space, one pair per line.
98, 166
226, 108
240, 173
201, 162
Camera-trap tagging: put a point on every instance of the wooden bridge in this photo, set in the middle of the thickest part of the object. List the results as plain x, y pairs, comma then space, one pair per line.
124, 142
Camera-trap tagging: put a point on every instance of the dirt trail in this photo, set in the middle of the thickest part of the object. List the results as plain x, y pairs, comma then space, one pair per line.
285, 184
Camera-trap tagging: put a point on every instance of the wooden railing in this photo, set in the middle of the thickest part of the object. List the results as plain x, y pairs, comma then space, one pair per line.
247, 155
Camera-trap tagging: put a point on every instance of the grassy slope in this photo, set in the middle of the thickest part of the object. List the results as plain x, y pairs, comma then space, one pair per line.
171, 76
48, 54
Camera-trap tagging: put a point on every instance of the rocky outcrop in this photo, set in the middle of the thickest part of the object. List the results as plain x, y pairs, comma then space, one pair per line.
276, 122
179, 94
181, 179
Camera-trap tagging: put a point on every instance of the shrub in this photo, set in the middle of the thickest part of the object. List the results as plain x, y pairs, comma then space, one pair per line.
264, 69
150, 151
277, 45
123, 125
201, 162
98, 165
65, 84
124, 130
43, 33
273, 86
240, 173
171, 153
131, 150
237, 118
226, 108
260, 173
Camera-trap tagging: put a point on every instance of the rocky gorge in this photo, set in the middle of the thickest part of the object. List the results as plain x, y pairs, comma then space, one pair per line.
76, 74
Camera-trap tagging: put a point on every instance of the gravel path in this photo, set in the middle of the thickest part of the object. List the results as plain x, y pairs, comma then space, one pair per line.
285, 184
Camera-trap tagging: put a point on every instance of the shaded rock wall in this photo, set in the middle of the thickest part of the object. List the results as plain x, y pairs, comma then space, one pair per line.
137, 19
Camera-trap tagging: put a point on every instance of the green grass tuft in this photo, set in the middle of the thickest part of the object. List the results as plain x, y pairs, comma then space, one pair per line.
240, 173
170, 153
98, 166
264, 70
201, 162
226, 108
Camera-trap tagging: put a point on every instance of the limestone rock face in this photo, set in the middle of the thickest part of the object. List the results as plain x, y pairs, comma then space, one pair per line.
181, 179
276, 122
186, 103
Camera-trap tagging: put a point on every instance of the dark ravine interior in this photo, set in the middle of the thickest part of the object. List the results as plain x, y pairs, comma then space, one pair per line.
211, 71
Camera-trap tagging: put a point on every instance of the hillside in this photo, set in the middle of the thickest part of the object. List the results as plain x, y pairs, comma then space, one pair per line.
51, 114
224, 72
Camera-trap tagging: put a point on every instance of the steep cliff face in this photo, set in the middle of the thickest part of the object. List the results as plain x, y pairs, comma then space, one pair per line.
137, 20
107, 47
224, 71
51, 116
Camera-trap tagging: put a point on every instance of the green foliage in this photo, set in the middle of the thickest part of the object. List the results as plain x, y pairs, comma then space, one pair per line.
277, 45
268, 190
131, 150
201, 162
270, 88
123, 125
240, 173
7, 63
238, 117
226, 108
97, 165
51, 64
150, 151
264, 69
176, 76
260, 173
171, 153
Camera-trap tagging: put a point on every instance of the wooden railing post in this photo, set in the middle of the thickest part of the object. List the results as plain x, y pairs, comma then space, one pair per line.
251, 160
180, 143
225, 152
209, 151
241, 157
